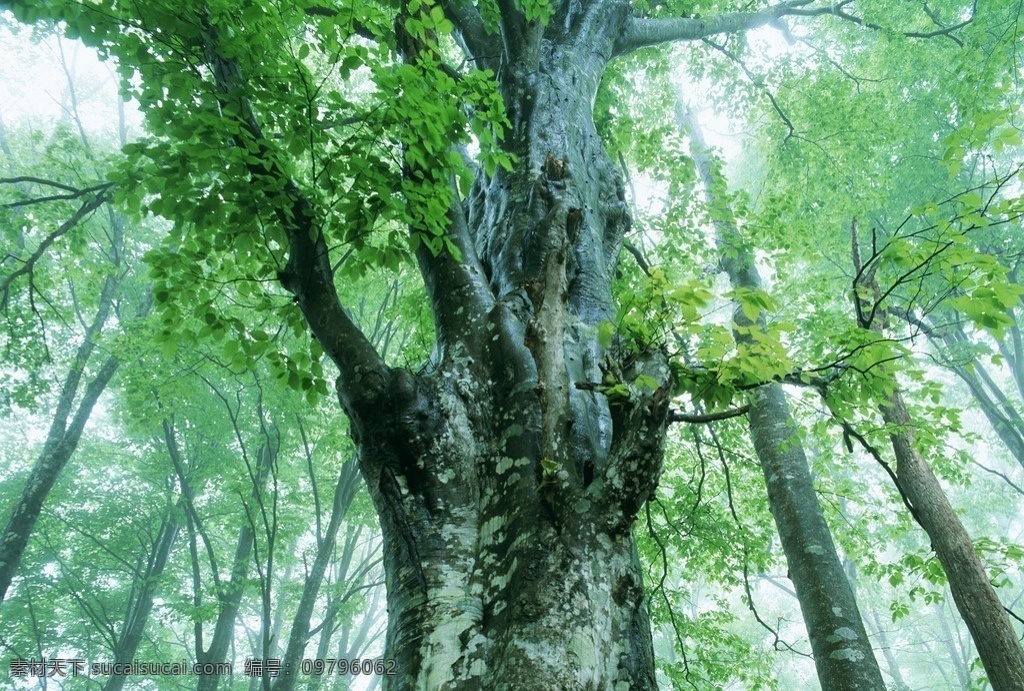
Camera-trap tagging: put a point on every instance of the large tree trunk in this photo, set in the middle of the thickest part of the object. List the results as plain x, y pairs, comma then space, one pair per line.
506, 494
842, 652
492, 581
505, 482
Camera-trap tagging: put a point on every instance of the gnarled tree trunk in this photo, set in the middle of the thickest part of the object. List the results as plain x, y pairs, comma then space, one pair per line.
506, 494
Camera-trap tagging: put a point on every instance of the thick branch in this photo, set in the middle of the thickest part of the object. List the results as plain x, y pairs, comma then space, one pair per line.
640, 32
478, 45
702, 418
758, 83
521, 38
456, 285
459, 294
308, 274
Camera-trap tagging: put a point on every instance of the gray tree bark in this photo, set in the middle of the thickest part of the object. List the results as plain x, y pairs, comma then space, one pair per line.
505, 483
63, 437
843, 655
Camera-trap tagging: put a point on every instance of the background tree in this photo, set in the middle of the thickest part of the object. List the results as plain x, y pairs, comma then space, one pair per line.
37, 290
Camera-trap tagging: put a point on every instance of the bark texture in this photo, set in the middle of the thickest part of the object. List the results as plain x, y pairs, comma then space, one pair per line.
843, 656
975, 598
506, 493
505, 482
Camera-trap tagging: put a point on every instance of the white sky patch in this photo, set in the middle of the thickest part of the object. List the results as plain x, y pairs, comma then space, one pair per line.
34, 84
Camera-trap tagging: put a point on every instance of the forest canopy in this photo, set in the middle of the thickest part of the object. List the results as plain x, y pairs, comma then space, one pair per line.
512, 344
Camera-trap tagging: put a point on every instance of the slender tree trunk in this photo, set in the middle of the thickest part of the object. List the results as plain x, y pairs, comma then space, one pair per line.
60, 445
1014, 351
975, 598
139, 610
354, 644
231, 595
63, 436
892, 666
1007, 427
277, 628
953, 650
958, 355
343, 493
842, 652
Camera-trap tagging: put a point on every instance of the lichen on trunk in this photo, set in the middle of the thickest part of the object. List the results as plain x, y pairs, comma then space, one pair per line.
506, 491
496, 578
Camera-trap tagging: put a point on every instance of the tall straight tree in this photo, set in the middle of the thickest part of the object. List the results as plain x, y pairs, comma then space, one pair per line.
505, 477
842, 651
27, 272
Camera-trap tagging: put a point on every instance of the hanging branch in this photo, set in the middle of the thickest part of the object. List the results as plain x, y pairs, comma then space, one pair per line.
101, 198
758, 83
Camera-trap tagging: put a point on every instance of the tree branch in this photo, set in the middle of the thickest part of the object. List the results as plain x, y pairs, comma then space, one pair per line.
459, 294
757, 82
455, 281
73, 192
640, 32
848, 433
483, 48
83, 211
946, 31
308, 274
701, 418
